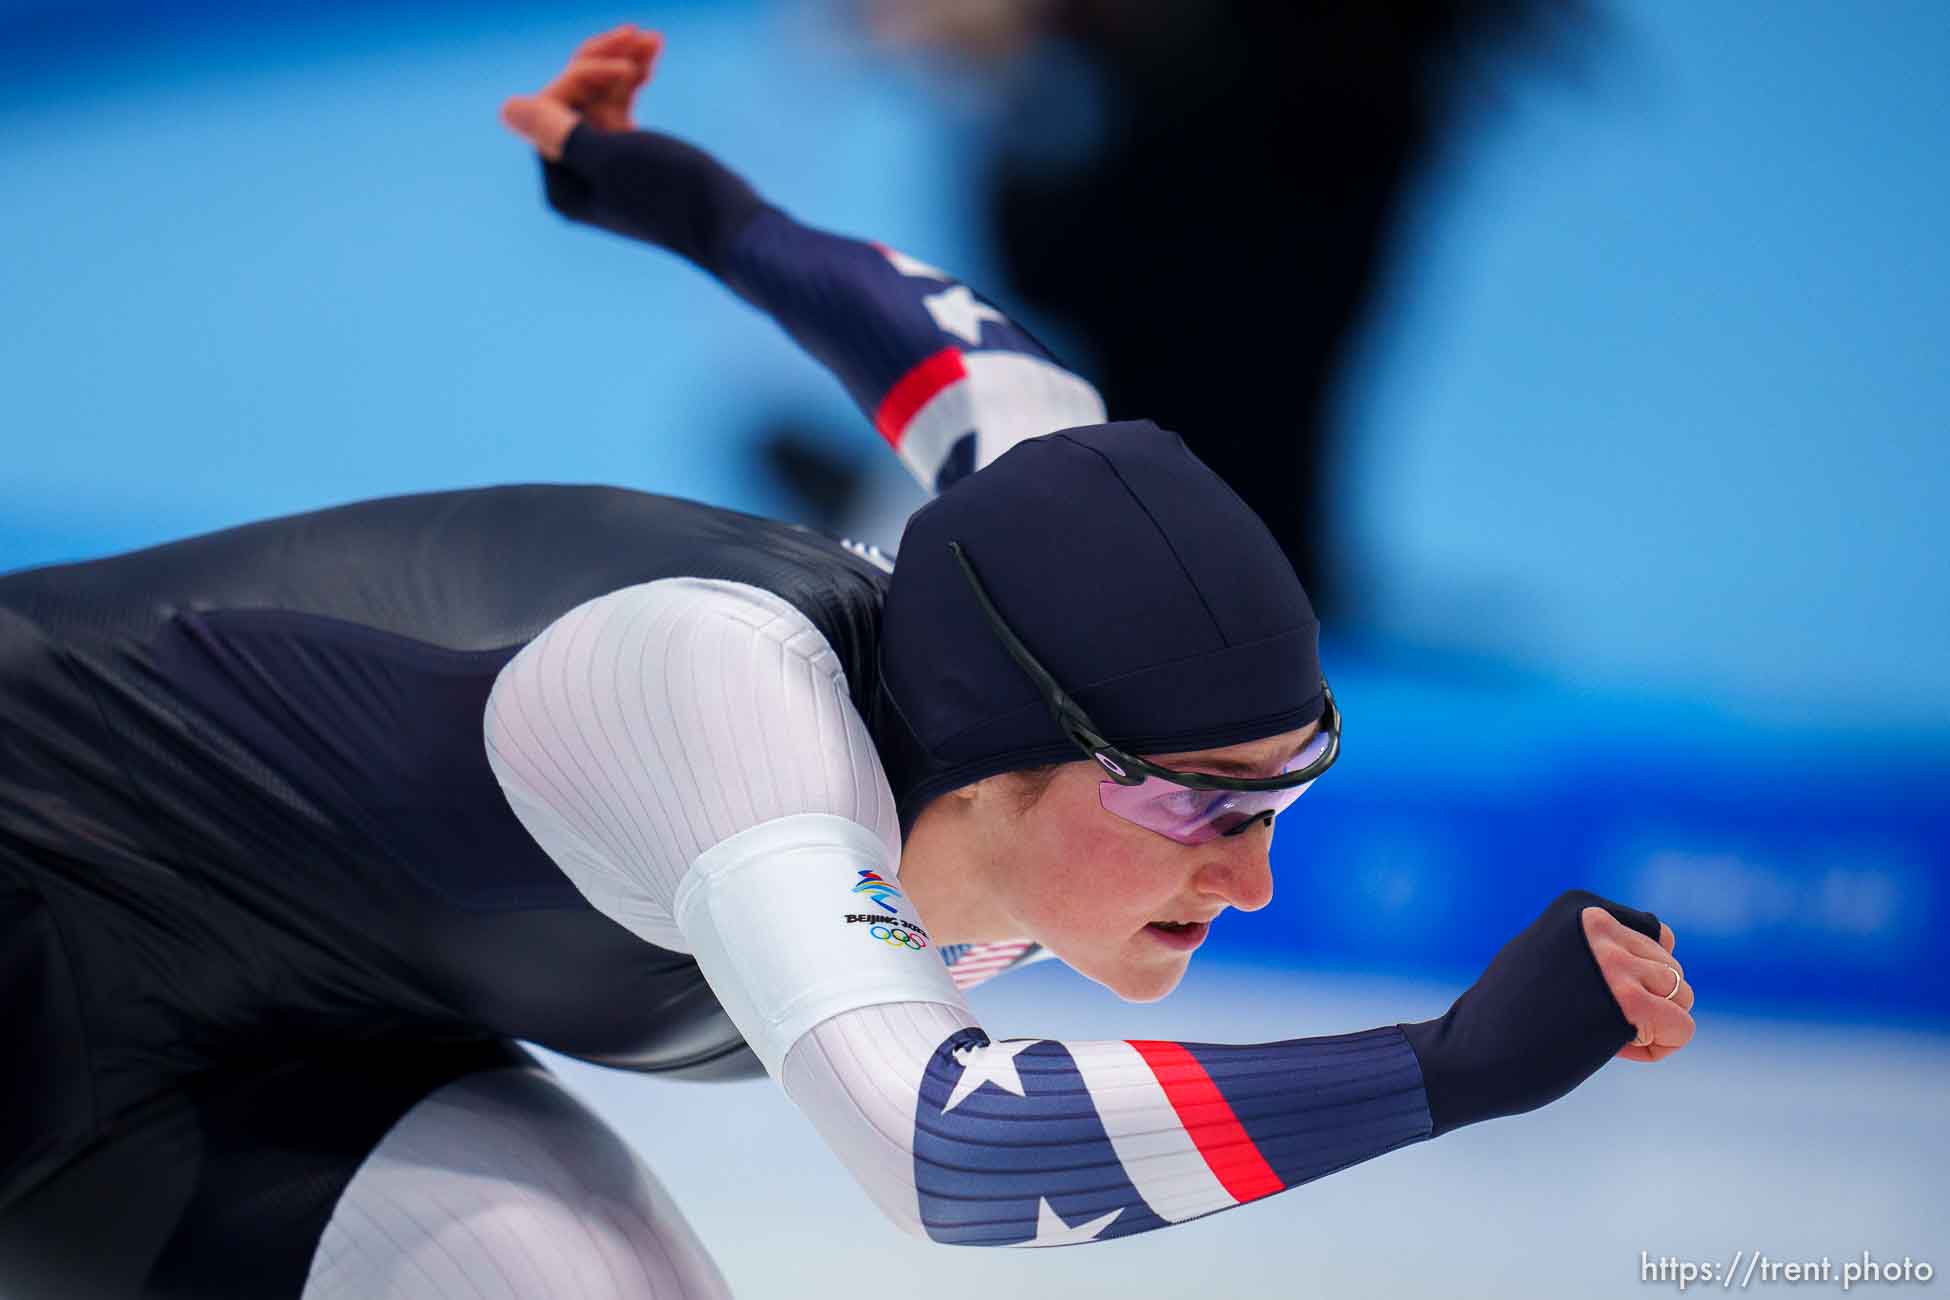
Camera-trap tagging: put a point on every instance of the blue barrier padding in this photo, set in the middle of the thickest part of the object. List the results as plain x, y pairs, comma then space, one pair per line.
1800, 868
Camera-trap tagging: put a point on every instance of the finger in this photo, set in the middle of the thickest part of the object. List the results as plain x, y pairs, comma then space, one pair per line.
609, 87
1664, 981
1683, 996
611, 109
1600, 925
544, 123
589, 76
603, 69
1645, 1054
1641, 946
620, 37
1660, 1023
626, 42
1666, 937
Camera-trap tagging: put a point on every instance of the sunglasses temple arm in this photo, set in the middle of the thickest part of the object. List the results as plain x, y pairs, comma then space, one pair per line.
1068, 713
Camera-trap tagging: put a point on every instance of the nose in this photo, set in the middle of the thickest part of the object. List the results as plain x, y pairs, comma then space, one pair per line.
1239, 869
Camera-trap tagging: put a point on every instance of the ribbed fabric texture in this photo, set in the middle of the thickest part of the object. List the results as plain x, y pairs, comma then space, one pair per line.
857, 1077
650, 724
645, 726
1039, 1142
500, 1186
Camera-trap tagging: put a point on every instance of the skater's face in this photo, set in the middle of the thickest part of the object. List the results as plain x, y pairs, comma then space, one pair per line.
1103, 893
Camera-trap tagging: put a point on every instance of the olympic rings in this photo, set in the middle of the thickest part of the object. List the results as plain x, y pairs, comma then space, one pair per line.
898, 938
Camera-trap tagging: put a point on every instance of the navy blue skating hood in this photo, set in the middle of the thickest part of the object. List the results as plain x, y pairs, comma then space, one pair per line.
1151, 592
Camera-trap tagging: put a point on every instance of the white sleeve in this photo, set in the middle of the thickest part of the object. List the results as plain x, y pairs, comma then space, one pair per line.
687, 753
649, 724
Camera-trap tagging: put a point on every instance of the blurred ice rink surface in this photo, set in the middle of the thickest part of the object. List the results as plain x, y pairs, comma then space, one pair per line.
1737, 1143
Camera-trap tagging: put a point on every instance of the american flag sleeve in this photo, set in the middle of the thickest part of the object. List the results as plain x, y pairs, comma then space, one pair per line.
941, 373
1039, 1142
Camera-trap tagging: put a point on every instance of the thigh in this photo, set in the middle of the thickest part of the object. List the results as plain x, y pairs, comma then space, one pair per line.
501, 1184
222, 1186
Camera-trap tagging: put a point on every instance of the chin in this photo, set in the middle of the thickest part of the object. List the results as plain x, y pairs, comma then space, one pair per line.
1132, 980
1145, 985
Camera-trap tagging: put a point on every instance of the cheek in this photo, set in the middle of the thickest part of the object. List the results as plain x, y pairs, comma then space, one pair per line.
1098, 872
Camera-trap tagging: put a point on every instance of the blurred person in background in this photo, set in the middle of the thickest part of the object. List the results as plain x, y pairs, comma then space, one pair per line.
1205, 195
303, 824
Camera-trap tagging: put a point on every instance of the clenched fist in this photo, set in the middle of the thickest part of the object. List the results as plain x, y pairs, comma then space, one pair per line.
1584, 982
1646, 981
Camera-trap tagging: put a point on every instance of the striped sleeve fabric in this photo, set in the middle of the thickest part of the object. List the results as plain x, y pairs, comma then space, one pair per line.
651, 723
1036, 1142
948, 379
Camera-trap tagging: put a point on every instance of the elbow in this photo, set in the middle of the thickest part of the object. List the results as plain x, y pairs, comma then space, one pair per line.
902, 1207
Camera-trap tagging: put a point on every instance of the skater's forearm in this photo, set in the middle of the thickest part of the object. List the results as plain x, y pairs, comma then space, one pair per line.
1036, 1141
944, 376
652, 187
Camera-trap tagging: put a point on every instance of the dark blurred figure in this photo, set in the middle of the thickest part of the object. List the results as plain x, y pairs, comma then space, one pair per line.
826, 484
1203, 193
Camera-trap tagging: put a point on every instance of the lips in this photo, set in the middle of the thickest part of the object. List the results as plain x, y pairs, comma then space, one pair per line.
1183, 936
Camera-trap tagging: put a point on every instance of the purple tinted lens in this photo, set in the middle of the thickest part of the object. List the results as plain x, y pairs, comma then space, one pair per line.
1195, 816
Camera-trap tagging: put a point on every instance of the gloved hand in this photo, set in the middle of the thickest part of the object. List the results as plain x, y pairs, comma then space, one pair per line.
1584, 982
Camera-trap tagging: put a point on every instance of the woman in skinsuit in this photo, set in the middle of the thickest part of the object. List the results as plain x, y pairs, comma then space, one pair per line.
304, 823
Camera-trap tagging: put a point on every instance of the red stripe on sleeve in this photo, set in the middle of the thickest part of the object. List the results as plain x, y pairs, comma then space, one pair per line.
914, 390
1229, 1152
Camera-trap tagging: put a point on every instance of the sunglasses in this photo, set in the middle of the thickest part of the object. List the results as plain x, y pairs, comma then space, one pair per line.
1190, 807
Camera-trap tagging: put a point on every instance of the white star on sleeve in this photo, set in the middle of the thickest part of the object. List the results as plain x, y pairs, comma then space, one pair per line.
1052, 1231
994, 1064
913, 265
956, 312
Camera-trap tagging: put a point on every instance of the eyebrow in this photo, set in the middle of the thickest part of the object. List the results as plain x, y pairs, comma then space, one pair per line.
1239, 766
1228, 766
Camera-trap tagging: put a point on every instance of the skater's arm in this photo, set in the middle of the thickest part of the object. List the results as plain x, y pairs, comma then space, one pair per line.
944, 376
758, 834
1046, 1142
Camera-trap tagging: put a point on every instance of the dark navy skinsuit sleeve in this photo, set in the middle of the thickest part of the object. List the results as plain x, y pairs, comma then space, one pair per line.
943, 375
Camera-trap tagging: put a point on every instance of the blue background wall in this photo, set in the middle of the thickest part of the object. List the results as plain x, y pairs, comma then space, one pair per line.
1649, 469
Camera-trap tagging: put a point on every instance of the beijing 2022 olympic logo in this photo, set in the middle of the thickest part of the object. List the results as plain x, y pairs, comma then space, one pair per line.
883, 924
898, 937
881, 890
